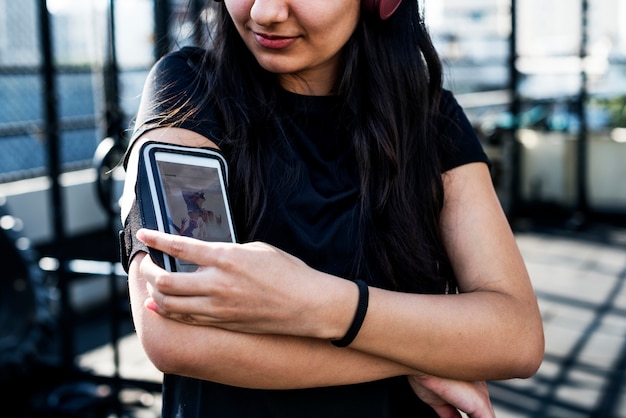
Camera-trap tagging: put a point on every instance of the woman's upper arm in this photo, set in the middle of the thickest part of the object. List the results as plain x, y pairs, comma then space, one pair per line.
171, 135
483, 250
477, 235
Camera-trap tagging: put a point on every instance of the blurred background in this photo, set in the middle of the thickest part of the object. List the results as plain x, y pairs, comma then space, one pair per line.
543, 83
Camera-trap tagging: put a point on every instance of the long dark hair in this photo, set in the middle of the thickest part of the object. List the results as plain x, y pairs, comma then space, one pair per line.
390, 89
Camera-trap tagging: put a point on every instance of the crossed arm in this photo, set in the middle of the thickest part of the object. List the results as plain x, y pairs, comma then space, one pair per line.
264, 318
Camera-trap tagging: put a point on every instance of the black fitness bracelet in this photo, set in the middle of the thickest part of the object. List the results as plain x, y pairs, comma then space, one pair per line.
359, 316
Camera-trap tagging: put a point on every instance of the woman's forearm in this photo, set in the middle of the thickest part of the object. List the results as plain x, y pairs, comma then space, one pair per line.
482, 335
471, 336
248, 360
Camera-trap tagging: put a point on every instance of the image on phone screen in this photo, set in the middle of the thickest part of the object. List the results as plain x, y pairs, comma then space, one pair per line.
195, 200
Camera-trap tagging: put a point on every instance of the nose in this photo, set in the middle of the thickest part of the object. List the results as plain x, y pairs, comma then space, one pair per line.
268, 12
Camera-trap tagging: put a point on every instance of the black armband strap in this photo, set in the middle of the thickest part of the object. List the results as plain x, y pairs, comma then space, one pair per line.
359, 316
129, 244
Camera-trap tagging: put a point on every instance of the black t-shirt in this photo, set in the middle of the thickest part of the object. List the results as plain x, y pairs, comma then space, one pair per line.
312, 214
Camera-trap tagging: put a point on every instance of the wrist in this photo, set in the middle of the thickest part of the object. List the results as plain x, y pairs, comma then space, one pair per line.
331, 311
358, 318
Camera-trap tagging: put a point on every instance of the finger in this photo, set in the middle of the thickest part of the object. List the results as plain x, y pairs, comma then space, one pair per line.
184, 248
161, 283
180, 304
167, 289
186, 318
479, 405
181, 314
157, 278
447, 411
149, 270
151, 305
203, 282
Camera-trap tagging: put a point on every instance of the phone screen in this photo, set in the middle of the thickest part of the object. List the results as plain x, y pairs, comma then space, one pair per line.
195, 201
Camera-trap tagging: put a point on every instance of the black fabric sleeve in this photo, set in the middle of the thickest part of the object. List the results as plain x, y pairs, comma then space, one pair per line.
460, 144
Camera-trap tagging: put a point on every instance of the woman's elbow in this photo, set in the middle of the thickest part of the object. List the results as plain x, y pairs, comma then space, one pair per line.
159, 350
530, 353
521, 351
165, 343
164, 362
176, 348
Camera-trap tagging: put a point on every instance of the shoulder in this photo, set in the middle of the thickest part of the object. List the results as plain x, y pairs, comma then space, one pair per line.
177, 83
176, 94
184, 58
451, 119
459, 143
177, 68
449, 107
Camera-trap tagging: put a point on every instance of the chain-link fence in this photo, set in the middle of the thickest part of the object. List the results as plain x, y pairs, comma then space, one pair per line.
80, 38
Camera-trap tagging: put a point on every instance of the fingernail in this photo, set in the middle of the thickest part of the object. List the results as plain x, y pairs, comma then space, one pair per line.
151, 305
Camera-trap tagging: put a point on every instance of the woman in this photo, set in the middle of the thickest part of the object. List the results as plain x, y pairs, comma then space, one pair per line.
378, 276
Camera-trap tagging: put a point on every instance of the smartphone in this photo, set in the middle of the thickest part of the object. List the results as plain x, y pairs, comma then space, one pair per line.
189, 195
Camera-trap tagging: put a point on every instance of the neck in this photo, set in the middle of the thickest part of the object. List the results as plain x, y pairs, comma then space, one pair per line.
300, 85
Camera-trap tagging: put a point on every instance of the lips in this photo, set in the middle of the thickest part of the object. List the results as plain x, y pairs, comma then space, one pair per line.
273, 41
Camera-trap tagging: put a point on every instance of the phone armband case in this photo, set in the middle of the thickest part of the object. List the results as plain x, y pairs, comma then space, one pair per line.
183, 191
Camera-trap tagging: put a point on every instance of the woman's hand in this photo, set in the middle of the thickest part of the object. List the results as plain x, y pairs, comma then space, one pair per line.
254, 288
448, 396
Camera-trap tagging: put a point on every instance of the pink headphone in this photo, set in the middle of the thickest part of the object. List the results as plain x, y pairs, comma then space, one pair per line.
384, 8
